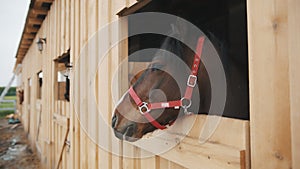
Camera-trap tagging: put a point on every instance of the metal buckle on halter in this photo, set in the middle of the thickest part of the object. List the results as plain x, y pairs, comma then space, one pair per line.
186, 103
144, 108
192, 81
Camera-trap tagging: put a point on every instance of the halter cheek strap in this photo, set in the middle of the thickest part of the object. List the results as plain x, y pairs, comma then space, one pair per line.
144, 109
184, 102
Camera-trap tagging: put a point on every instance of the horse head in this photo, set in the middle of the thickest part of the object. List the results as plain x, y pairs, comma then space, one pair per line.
161, 82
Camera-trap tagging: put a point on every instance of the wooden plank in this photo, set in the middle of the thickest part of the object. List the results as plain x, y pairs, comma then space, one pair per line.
62, 26
129, 162
31, 30
35, 21
28, 106
131, 2
294, 62
39, 11
28, 36
176, 166
269, 84
104, 9
129, 10
27, 41
46, 101
46, 1
149, 162
83, 82
61, 148
25, 46
58, 29
162, 163
23, 50
217, 152
21, 54
38, 111
68, 24
123, 86
72, 160
189, 154
76, 51
61, 120
91, 64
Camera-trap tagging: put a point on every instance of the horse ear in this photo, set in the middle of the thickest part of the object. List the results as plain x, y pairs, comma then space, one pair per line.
181, 27
174, 29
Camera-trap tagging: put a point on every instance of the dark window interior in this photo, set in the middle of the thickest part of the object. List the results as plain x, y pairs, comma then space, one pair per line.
40, 84
63, 69
223, 22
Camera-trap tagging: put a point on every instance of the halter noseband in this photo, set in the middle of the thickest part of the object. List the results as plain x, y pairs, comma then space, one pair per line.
184, 102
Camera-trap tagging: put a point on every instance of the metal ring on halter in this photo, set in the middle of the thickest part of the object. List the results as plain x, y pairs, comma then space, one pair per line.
187, 105
144, 108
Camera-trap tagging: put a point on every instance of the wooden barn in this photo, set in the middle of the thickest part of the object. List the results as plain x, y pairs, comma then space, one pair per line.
59, 115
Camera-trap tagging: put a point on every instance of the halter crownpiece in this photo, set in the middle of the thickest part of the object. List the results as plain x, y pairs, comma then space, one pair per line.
185, 102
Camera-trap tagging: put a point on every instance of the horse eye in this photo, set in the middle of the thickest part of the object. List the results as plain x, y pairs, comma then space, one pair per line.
156, 67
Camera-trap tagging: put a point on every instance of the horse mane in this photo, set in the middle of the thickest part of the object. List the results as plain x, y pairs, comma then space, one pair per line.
174, 45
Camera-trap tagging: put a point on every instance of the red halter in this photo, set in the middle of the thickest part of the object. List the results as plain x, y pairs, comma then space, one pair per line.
184, 102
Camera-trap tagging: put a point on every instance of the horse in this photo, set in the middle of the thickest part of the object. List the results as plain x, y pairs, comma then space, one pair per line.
129, 122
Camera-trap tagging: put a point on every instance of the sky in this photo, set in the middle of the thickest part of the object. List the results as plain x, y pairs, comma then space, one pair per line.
12, 18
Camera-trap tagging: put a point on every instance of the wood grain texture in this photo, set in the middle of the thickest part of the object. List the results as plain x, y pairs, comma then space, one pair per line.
294, 62
269, 84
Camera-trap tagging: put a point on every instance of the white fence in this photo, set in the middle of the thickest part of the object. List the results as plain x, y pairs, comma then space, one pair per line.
8, 108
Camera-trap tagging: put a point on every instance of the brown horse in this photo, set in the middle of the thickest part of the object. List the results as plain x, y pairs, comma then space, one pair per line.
129, 124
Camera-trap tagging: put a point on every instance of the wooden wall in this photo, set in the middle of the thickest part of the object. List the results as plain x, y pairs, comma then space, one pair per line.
273, 73
274, 86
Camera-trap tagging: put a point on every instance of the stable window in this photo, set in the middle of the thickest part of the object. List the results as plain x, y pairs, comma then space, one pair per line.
63, 68
39, 84
223, 22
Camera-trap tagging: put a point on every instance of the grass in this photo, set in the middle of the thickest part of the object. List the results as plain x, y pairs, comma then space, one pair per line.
10, 97
4, 113
7, 105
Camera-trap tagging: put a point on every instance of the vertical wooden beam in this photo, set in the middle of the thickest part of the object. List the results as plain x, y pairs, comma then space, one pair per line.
161, 163
33, 112
103, 155
50, 67
58, 26
72, 111
54, 48
294, 46
68, 25
26, 106
83, 82
269, 84
75, 56
92, 120
62, 26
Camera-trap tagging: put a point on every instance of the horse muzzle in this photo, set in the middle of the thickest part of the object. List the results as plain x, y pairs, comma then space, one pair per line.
125, 132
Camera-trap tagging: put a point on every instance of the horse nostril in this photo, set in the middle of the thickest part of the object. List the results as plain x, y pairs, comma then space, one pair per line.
114, 121
129, 131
